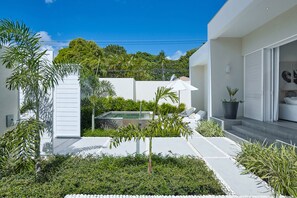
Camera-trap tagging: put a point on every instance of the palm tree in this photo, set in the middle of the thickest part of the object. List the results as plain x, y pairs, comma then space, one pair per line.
162, 93
93, 89
162, 125
31, 72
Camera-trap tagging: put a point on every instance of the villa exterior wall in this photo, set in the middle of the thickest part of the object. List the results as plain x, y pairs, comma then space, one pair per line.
276, 30
225, 52
124, 87
8, 100
128, 88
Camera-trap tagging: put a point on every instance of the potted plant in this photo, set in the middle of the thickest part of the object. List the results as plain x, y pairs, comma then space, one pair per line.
231, 106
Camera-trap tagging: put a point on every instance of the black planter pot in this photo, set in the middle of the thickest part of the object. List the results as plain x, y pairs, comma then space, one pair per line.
230, 109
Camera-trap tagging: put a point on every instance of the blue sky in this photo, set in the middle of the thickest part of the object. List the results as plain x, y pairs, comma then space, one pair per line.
125, 22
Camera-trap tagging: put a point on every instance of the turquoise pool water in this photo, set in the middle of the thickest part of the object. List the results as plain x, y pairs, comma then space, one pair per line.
127, 115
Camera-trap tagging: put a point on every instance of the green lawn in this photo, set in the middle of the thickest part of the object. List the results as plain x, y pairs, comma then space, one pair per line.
114, 175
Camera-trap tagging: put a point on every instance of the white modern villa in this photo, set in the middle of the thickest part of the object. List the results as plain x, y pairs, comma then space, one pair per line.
252, 45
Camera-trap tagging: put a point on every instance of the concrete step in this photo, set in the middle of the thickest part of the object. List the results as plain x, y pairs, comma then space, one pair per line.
252, 135
285, 134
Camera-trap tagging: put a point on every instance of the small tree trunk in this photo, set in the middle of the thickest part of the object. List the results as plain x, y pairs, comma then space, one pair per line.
93, 119
37, 137
150, 168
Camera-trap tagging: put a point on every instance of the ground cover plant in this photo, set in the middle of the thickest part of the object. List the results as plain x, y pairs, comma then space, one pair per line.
113, 133
114, 175
209, 128
276, 165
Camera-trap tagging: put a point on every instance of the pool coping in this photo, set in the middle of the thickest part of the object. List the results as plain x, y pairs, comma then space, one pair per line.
101, 116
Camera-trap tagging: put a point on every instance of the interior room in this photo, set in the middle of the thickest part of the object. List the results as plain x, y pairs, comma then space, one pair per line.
288, 82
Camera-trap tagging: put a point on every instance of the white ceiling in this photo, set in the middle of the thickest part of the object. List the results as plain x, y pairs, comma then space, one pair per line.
246, 18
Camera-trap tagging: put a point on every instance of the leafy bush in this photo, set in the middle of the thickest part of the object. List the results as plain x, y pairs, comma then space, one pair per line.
17, 147
120, 104
114, 175
114, 133
209, 129
276, 165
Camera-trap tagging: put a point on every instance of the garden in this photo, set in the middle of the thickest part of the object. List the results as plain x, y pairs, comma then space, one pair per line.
24, 173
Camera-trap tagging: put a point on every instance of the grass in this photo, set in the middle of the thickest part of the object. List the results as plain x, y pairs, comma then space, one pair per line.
113, 133
209, 128
114, 175
276, 165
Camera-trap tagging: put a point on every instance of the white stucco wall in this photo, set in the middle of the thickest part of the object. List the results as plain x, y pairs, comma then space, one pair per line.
8, 99
276, 30
225, 51
128, 88
145, 90
124, 87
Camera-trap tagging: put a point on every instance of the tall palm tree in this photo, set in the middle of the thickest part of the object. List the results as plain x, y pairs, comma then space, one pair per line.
31, 71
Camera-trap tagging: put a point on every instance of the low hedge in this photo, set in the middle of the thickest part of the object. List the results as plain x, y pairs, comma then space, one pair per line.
209, 128
113, 133
121, 104
276, 165
114, 175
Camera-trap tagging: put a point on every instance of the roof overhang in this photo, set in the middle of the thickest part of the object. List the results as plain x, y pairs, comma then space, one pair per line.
238, 18
200, 57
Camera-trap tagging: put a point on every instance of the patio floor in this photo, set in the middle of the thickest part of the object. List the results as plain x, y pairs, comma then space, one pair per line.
218, 153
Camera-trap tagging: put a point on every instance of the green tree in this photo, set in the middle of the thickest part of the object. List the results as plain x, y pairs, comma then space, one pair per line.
31, 72
163, 124
114, 50
85, 53
116, 62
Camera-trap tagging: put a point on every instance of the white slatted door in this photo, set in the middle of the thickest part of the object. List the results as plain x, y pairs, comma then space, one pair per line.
253, 86
67, 108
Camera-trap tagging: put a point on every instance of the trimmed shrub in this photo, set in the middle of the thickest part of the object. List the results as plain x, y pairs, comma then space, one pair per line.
209, 128
276, 165
114, 175
113, 133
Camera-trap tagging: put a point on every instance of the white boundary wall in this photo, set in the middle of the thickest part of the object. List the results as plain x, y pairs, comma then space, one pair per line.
128, 88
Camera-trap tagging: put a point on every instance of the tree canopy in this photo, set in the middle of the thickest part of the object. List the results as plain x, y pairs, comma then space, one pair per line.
114, 61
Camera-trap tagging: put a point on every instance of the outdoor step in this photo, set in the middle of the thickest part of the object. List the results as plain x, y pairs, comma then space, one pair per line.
252, 134
279, 132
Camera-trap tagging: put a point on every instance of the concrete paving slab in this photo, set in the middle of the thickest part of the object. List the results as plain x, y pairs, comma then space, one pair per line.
205, 148
124, 149
80, 146
174, 145
226, 145
243, 185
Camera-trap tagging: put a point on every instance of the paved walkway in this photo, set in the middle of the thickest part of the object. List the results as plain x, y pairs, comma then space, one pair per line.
218, 153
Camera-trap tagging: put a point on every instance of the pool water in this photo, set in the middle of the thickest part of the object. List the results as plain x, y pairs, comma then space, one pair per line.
127, 115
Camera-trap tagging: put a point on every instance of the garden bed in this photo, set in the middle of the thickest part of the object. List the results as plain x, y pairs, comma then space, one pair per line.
114, 175
113, 133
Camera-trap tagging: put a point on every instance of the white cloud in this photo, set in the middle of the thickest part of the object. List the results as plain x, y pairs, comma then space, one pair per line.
176, 55
49, 44
49, 1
